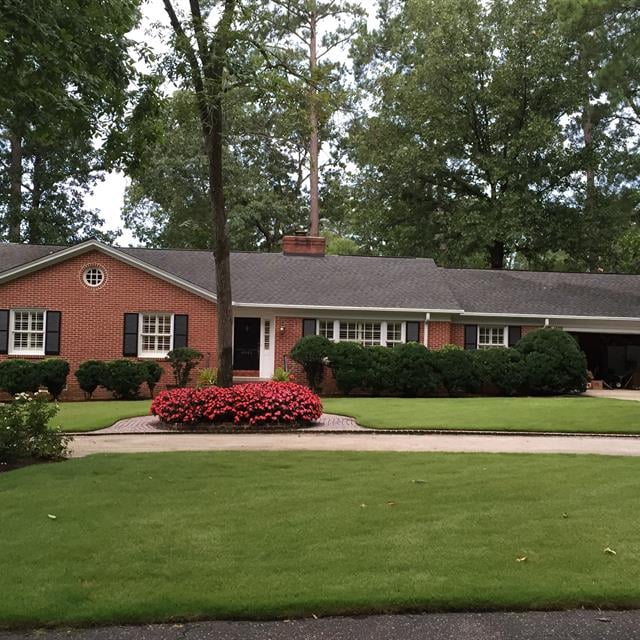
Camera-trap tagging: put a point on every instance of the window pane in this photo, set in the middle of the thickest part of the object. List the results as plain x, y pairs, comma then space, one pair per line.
325, 328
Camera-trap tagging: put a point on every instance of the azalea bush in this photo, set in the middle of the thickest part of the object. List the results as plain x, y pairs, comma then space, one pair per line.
256, 404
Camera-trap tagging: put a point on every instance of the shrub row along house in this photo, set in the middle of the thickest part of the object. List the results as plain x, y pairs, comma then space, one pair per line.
93, 301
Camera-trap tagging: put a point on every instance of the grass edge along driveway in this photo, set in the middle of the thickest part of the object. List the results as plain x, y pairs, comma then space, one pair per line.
179, 536
561, 414
97, 414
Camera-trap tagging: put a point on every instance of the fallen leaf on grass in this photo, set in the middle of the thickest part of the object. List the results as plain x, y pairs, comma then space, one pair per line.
363, 505
521, 559
391, 503
51, 516
565, 515
419, 481
610, 551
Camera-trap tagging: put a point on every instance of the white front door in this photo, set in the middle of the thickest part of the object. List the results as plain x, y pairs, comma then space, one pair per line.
267, 347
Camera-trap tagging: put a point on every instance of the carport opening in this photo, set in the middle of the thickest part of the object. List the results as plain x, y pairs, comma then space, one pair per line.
613, 358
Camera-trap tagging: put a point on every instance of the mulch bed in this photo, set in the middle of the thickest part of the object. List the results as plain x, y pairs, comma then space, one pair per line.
228, 428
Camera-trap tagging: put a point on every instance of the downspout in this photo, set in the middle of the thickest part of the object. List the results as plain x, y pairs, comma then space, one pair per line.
426, 329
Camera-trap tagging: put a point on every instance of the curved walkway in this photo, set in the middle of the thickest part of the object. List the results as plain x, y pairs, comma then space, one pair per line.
309, 441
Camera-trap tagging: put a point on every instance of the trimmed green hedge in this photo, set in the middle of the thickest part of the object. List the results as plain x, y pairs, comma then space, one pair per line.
545, 362
27, 376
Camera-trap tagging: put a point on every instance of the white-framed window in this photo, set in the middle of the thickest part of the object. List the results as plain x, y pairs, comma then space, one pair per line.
395, 331
325, 328
27, 332
491, 337
156, 334
267, 335
367, 333
93, 276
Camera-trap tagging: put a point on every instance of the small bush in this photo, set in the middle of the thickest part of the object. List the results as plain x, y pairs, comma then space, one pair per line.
413, 370
19, 376
554, 363
25, 432
53, 374
456, 368
349, 362
378, 376
207, 377
124, 378
256, 404
503, 369
280, 375
90, 375
183, 361
152, 372
311, 352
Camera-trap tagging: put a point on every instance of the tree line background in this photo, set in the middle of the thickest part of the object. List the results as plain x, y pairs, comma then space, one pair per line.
500, 133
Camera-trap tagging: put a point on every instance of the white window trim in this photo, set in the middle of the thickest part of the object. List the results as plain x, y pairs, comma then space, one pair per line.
154, 354
12, 351
383, 329
505, 336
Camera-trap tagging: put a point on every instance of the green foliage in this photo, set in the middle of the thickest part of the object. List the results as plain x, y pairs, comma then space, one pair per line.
502, 369
378, 376
25, 431
280, 375
152, 372
207, 377
53, 374
49, 121
182, 362
124, 377
554, 363
311, 352
90, 375
414, 372
456, 368
19, 376
349, 362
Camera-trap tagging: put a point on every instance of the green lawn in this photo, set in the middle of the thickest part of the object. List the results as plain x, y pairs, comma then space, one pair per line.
504, 414
97, 414
175, 536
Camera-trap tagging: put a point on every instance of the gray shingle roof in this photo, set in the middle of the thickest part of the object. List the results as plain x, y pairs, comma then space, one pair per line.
385, 283
546, 293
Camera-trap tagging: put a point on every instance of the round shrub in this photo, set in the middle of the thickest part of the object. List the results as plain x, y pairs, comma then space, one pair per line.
413, 370
19, 376
349, 362
456, 370
502, 369
90, 375
183, 361
256, 404
53, 374
124, 378
152, 372
311, 352
554, 363
378, 375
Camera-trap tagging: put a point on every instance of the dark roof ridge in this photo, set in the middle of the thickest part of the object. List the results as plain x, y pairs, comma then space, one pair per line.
579, 273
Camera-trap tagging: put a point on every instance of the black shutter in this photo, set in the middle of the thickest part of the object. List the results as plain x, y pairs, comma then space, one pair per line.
180, 331
52, 334
413, 332
130, 340
4, 330
515, 333
309, 327
470, 336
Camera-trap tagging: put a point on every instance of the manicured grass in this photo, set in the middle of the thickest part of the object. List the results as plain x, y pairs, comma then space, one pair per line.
169, 536
97, 414
567, 414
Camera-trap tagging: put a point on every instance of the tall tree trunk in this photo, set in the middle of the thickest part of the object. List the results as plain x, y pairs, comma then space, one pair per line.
34, 229
14, 218
313, 126
496, 254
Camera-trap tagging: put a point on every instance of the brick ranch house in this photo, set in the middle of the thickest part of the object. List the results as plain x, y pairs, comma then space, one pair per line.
93, 301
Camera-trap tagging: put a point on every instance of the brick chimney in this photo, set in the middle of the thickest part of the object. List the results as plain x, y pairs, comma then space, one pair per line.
302, 244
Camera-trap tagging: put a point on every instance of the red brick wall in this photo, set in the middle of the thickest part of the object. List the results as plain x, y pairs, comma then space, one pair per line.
529, 329
439, 334
92, 319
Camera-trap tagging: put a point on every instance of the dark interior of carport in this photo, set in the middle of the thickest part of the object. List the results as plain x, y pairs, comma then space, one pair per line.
612, 357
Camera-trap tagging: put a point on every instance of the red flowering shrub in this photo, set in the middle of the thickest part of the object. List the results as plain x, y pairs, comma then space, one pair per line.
257, 404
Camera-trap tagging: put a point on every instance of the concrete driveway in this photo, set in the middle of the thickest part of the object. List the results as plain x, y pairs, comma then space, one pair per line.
150, 442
